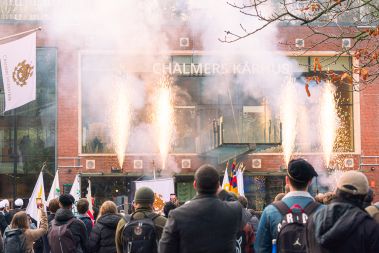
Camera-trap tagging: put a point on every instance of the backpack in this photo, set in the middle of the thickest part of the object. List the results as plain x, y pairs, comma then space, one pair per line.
60, 238
14, 241
291, 235
139, 236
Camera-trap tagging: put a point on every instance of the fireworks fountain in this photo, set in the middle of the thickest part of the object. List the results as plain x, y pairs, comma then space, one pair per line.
288, 117
121, 119
329, 118
164, 118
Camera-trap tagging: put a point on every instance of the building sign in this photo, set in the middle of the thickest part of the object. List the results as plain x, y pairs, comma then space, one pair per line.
197, 69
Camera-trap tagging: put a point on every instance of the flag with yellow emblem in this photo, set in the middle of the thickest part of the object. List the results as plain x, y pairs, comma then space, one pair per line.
18, 67
37, 198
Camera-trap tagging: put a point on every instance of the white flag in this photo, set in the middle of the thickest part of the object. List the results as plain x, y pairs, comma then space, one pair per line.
75, 192
225, 181
89, 196
18, 66
75, 189
37, 198
240, 185
55, 190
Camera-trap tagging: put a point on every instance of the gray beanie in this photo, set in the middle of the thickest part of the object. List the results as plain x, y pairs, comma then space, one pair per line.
144, 195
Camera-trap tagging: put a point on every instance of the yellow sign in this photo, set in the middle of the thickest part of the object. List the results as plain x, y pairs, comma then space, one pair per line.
22, 72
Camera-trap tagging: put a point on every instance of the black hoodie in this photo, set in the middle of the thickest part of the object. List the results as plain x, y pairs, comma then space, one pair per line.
342, 227
102, 238
77, 227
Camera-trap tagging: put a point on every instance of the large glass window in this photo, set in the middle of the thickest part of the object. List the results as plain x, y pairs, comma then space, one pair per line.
28, 133
204, 117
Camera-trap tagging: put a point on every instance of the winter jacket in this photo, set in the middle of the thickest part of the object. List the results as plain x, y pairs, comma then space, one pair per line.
342, 227
205, 224
3, 223
1, 244
77, 228
87, 222
271, 217
46, 246
32, 235
140, 213
11, 213
102, 238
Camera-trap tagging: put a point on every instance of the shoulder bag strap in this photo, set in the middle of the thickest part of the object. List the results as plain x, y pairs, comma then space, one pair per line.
282, 207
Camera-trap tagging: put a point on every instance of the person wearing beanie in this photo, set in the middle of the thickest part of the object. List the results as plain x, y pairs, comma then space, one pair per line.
143, 205
343, 225
206, 223
18, 204
299, 176
77, 228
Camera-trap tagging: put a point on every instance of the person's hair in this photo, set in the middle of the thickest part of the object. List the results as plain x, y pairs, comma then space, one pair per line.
279, 196
107, 207
207, 179
356, 200
243, 201
328, 198
82, 206
53, 205
66, 200
223, 195
20, 220
298, 185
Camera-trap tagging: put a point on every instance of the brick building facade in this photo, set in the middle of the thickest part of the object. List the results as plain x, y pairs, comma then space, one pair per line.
70, 159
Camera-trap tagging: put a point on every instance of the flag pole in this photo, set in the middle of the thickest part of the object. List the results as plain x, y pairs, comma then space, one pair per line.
21, 33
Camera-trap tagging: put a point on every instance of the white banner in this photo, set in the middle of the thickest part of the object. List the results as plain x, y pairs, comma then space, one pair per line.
37, 198
18, 67
55, 189
240, 183
163, 187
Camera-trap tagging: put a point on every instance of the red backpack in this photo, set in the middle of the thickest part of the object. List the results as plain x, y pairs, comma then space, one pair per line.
60, 238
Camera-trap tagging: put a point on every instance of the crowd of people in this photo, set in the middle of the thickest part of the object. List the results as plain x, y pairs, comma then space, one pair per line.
214, 221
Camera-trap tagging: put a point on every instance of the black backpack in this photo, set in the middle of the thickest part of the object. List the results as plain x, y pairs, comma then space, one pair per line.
291, 237
14, 241
139, 236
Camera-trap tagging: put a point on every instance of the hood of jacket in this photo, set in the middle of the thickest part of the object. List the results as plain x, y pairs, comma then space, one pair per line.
336, 222
63, 215
109, 220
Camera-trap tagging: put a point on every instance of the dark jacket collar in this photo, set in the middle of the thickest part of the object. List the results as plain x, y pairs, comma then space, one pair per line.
203, 196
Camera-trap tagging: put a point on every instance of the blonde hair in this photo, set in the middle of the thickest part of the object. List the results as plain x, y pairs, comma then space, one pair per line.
107, 207
20, 220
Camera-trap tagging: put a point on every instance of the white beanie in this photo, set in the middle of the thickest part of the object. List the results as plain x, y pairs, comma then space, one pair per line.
6, 202
19, 202
2, 204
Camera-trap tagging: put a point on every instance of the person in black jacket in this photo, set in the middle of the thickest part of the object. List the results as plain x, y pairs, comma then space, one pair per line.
82, 206
18, 204
204, 224
53, 208
3, 222
344, 226
102, 238
77, 227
